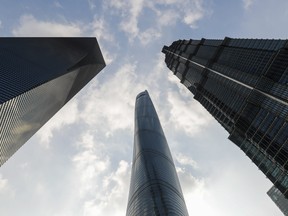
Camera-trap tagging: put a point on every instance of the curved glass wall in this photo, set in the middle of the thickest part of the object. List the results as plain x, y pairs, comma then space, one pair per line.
154, 188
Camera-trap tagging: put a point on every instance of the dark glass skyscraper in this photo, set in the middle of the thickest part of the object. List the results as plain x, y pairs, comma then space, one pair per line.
243, 85
154, 188
37, 77
279, 199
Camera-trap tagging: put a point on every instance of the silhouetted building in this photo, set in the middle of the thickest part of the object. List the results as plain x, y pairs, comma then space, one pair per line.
243, 85
154, 187
279, 199
37, 77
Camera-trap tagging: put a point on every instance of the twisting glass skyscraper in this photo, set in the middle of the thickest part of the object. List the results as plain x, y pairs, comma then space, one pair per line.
154, 187
37, 77
243, 85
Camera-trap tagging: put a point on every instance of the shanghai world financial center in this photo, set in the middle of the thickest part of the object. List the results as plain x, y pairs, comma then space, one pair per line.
38, 76
242, 83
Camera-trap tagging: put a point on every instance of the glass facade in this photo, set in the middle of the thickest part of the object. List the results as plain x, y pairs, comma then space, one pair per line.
154, 188
37, 77
279, 199
242, 83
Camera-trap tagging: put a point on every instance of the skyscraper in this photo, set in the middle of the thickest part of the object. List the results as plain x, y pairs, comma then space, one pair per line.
154, 187
279, 199
242, 83
37, 77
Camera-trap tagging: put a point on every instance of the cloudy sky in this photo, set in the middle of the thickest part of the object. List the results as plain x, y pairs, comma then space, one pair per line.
79, 163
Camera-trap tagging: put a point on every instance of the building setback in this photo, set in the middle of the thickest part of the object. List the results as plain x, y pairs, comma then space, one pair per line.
154, 187
279, 199
242, 83
38, 76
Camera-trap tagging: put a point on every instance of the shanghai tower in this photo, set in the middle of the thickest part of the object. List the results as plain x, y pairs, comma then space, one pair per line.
38, 76
154, 187
242, 83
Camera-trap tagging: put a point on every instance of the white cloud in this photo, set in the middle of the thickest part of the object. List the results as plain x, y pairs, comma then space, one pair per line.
108, 56
188, 181
130, 23
228, 187
167, 2
116, 186
189, 12
57, 4
101, 30
41, 189
158, 75
5, 188
90, 163
30, 26
103, 188
168, 17
186, 114
3, 183
130, 14
114, 194
192, 17
197, 204
182, 117
92, 4
196, 193
186, 160
248, 3
117, 4
148, 35
110, 106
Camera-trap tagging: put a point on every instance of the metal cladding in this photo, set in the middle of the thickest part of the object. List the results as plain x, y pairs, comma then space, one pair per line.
279, 199
154, 188
37, 77
242, 83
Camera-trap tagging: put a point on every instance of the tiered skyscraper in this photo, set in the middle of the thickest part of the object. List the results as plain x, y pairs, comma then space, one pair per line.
154, 187
37, 77
243, 83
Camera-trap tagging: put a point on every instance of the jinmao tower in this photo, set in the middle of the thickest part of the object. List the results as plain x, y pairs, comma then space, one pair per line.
38, 76
242, 83
154, 187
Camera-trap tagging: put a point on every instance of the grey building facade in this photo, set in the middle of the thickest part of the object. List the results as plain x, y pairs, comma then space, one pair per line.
154, 187
242, 83
38, 76
279, 199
